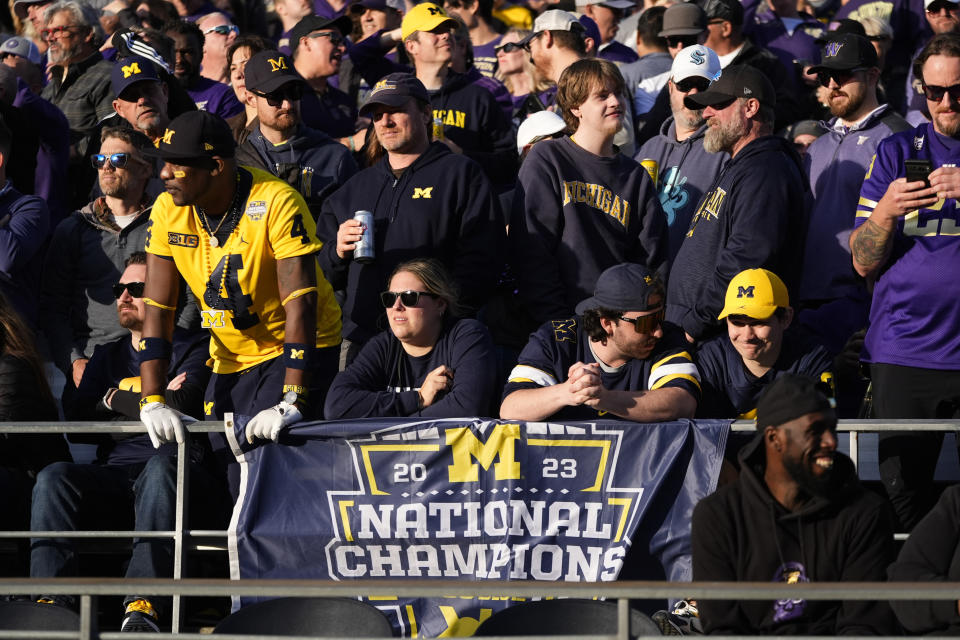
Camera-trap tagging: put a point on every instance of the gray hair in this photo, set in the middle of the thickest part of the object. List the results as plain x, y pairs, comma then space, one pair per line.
81, 14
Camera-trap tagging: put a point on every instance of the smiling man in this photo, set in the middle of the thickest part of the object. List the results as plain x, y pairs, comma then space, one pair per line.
758, 348
797, 513
614, 359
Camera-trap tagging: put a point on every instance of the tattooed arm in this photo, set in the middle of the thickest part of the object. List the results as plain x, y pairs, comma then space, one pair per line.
871, 242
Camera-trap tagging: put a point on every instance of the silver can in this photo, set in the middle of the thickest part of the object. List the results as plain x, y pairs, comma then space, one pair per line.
364, 250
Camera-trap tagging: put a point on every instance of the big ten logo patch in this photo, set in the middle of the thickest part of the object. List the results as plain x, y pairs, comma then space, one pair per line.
183, 240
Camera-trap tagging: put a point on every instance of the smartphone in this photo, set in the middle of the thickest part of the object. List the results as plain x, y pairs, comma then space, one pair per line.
918, 170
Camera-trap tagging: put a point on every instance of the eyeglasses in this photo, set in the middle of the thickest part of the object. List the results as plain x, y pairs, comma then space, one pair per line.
509, 47
935, 93
693, 82
292, 92
940, 5
336, 38
681, 41
223, 29
840, 76
57, 32
135, 289
407, 298
116, 160
647, 323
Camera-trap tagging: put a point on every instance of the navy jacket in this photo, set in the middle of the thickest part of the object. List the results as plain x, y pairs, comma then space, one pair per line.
383, 380
442, 206
752, 216
24, 224
574, 215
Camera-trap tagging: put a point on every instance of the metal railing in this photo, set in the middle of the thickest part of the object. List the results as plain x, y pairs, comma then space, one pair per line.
180, 587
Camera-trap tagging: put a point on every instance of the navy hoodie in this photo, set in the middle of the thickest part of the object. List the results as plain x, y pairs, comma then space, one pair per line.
574, 215
752, 216
441, 206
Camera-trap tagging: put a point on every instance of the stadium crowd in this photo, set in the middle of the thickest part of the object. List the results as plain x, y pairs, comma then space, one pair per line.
296, 210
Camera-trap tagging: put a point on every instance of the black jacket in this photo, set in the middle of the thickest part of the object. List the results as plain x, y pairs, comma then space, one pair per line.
741, 533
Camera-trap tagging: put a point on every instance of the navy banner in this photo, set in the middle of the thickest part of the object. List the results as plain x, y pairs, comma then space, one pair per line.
471, 499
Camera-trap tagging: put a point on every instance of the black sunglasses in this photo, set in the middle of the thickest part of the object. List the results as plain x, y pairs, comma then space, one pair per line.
840, 76
694, 82
647, 323
291, 92
935, 93
116, 160
135, 289
509, 47
681, 41
336, 38
407, 298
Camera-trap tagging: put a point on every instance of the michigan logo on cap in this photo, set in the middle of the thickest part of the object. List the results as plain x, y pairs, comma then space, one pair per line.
131, 69
383, 85
168, 136
745, 292
277, 64
832, 49
435, 11
207, 146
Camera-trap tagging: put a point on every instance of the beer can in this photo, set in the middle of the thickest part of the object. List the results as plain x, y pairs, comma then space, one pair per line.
653, 168
438, 133
364, 250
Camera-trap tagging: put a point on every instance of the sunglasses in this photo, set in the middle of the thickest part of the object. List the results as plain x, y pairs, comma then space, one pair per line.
57, 32
937, 7
116, 160
695, 82
223, 29
336, 38
291, 92
526, 45
840, 76
407, 298
135, 289
647, 323
935, 93
681, 41
509, 47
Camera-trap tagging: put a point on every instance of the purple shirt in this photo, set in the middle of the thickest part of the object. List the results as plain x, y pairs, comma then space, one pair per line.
769, 31
485, 58
53, 153
916, 300
215, 97
324, 10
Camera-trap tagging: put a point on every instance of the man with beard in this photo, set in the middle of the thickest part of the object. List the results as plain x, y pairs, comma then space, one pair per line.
752, 214
943, 16
835, 302
308, 160
681, 168
209, 95
79, 85
129, 483
797, 513
88, 250
615, 359
907, 243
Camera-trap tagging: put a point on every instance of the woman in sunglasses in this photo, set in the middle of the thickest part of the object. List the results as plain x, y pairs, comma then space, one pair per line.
428, 363
516, 71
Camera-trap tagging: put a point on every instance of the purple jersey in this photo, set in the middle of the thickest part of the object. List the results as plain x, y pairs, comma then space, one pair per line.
323, 9
485, 58
215, 97
916, 301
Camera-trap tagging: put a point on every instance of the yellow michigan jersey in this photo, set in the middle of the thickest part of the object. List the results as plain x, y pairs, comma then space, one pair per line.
236, 283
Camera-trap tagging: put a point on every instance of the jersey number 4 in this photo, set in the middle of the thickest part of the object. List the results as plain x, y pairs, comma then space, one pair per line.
237, 302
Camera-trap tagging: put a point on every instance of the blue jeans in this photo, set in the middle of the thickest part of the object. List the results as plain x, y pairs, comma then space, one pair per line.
74, 497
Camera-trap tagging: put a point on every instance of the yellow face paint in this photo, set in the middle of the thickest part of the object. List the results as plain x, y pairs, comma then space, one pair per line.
179, 174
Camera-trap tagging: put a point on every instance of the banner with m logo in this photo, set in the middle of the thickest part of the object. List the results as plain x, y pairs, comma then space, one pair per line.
470, 499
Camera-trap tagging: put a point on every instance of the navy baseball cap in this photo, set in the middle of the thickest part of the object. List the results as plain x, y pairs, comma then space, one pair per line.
312, 23
624, 287
193, 135
267, 71
130, 71
394, 90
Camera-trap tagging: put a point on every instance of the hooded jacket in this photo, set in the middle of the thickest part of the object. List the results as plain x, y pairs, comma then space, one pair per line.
441, 206
684, 173
310, 161
753, 216
24, 225
741, 533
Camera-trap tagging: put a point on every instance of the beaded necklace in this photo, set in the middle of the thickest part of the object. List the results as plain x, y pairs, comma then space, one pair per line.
231, 213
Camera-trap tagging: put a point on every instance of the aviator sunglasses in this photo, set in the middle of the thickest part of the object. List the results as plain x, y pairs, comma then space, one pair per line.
647, 323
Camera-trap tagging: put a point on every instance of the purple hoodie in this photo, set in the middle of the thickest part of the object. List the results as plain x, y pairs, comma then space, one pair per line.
54, 151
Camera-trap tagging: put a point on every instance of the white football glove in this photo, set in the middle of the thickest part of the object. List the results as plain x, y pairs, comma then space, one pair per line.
163, 423
268, 423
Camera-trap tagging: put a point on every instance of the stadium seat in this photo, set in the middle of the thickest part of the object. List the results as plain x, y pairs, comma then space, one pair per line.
321, 617
32, 616
567, 617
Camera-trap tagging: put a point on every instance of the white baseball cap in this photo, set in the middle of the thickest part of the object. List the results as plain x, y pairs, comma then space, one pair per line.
537, 125
695, 60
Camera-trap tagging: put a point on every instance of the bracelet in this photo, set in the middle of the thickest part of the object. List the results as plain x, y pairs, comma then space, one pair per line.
154, 303
297, 294
296, 355
154, 398
296, 388
154, 349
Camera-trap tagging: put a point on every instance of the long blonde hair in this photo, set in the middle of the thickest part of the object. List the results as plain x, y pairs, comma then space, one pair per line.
539, 82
